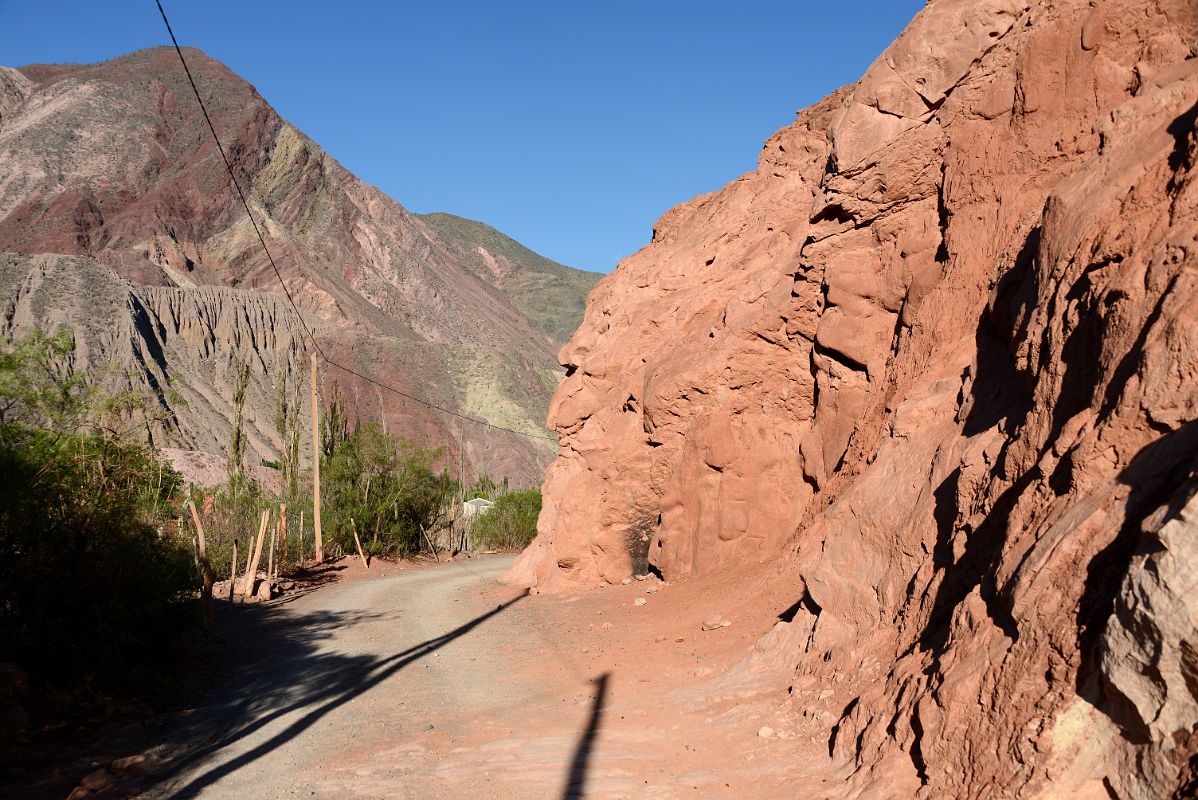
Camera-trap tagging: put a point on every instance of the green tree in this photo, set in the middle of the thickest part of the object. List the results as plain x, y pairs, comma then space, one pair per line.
241, 383
287, 410
334, 424
39, 387
486, 488
388, 489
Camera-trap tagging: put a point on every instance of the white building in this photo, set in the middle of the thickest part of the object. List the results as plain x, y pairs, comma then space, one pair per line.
473, 508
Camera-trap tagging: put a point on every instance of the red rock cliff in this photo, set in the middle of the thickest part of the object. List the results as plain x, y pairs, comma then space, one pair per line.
939, 354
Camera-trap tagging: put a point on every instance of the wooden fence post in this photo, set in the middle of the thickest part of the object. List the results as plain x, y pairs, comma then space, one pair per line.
354, 527
270, 558
282, 536
233, 576
252, 576
208, 577
432, 547
249, 559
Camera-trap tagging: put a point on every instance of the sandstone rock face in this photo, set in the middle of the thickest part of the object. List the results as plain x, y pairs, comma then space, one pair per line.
938, 356
113, 161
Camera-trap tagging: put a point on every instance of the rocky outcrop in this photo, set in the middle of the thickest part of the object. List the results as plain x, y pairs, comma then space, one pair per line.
114, 161
14, 89
937, 355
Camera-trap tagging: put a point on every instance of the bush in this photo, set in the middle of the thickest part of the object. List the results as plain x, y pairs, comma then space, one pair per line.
510, 524
388, 489
95, 579
486, 488
234, 513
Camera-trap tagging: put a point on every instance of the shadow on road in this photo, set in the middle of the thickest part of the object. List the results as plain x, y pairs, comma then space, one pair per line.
576, 785
283, 673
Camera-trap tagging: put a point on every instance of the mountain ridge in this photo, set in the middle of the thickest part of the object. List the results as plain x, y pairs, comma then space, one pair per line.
112, 161
547, 292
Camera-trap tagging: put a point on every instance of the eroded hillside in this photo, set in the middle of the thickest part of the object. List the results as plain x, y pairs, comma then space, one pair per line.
113, 161
937, 359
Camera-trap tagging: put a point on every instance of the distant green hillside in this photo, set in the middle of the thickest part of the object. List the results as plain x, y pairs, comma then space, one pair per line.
552, 296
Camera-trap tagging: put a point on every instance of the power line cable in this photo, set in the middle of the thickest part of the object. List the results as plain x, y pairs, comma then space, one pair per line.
262, 239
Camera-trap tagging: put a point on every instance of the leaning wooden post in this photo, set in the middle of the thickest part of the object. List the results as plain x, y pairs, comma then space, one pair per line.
316, 465
252, 576
249, 559
432, 547
353, 526
208, 576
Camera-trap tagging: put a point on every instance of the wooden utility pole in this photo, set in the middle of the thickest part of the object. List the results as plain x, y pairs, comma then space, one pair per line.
316, 465
460, 528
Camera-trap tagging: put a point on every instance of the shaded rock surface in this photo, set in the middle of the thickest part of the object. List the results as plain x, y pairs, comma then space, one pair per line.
114, 162
937, 357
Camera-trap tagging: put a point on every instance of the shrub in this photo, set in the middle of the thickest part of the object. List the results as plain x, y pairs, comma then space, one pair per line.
510, 524
95, 579
388, 489
234, 513
486, 488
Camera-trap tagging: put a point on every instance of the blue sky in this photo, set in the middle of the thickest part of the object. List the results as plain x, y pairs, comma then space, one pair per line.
570, 126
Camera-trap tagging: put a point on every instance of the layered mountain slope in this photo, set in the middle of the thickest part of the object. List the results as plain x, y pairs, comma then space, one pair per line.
113, 161
550, 295
936, 358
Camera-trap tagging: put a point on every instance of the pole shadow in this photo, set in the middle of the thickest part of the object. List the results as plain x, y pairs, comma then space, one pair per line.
576, 785
346, 680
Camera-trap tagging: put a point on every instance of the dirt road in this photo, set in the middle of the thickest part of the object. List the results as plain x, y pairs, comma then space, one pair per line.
352, 689
438, 682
